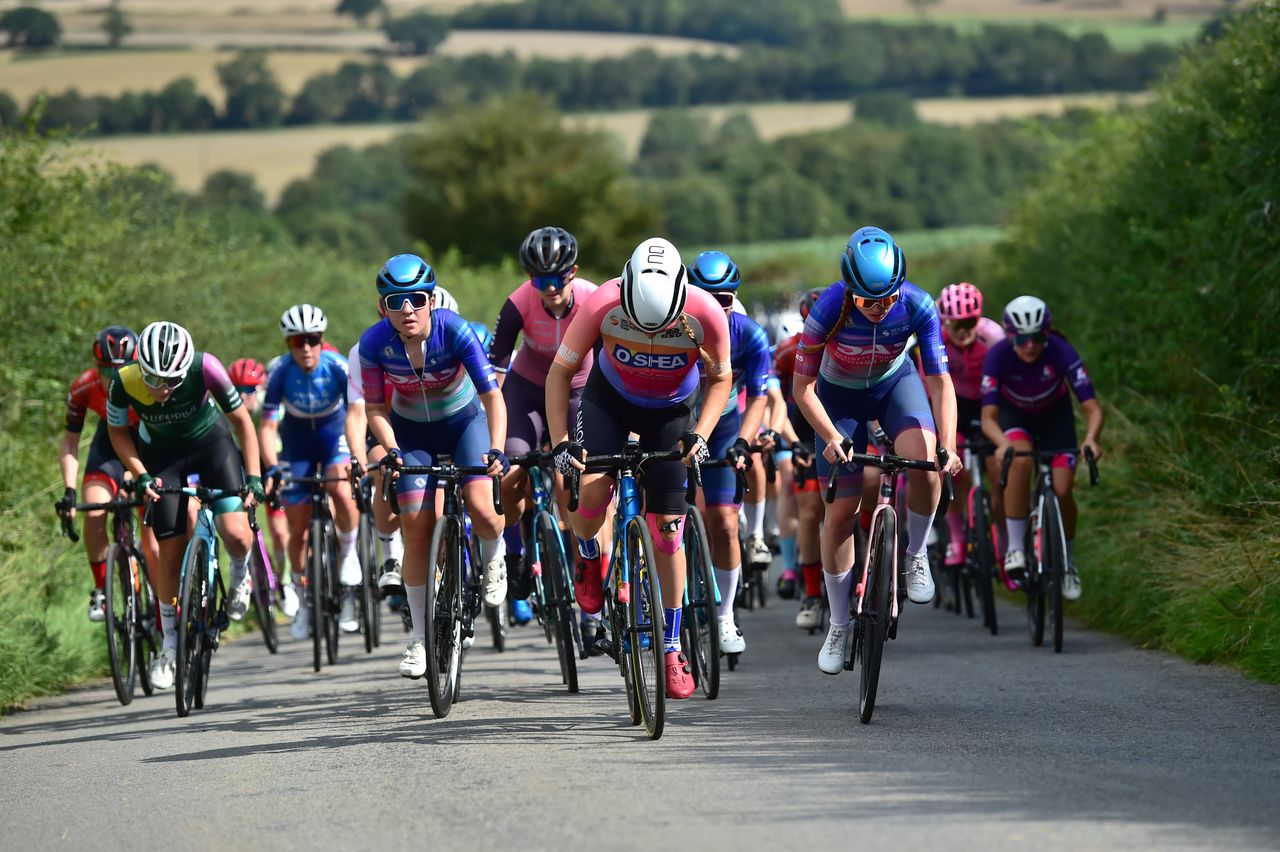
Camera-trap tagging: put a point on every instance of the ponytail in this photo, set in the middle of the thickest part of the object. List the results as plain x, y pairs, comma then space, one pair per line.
702, 353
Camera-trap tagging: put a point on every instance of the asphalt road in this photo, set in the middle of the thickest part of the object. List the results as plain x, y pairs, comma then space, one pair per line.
977, 743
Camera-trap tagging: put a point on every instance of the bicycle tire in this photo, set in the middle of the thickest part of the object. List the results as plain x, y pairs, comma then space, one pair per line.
367, 554
984, 558
119, 607
615, 617
1054, 544
1035, 589
699, 622
645, 617
762, 585
192, 617
214, 608
263, 596
558, 601
873, 624
315, 591
444, 615
148, 621
333, 592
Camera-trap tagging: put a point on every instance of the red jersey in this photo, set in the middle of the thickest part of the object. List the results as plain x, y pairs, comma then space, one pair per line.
86, 394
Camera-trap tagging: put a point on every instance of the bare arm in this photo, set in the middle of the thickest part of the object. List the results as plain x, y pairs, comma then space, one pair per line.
495, 409
558, 382
943, 394
126, 450
1093, 425
805, 390
380, 425
69, 458
717, 396
242, 423
269, 439
357, 424
752, 417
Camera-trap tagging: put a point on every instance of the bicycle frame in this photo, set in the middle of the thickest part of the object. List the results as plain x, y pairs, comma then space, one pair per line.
884, 503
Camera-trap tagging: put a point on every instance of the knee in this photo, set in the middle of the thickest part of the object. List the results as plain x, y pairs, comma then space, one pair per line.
667, 532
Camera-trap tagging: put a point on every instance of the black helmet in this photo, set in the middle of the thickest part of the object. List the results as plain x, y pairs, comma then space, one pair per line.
115, 346
549, 251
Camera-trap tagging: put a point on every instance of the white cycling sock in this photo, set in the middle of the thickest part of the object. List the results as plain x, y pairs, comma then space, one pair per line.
169, 621
917, 531
417, 596
1017, 528
239, 567
392, 546
755, 518
838, 588
727, 583
491, 548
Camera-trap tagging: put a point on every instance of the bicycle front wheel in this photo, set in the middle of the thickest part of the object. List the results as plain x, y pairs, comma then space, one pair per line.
1053, 546
316, 576
699, 624
645, 629
444, 615
558, 604
367, 594
1035, 587
263, 595
873, 622
147, 621
193, 619
333, 592
120, 608
983, 557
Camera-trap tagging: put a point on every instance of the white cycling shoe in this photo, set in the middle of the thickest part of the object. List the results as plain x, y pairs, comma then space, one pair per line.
810, 615
301, 629
758, 553
164, 668
238, 600
350, 573
348, 621
919, 579
291, 602
731, 639
414, 662
495, 581
1071, 583
831, 657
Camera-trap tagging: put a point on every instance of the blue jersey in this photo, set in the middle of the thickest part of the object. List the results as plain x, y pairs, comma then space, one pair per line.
748, 357
862, 354
319, 396
455, 369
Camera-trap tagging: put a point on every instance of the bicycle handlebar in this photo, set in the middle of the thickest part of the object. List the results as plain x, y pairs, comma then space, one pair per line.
1044, 455
887, 462
204, 495
740, 488
634, 459
447, 472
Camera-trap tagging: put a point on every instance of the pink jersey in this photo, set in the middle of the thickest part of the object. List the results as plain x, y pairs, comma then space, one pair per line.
966, 364
525, 314
652, 371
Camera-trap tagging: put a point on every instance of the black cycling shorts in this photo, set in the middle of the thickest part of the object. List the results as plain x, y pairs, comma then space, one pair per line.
103, 466
606, 419
214, 457
1051, 429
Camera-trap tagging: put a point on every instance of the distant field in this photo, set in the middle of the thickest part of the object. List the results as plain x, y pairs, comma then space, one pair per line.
275, 157
1050, 11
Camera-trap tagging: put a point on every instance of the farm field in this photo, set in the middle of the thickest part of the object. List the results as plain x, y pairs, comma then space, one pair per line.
1038, 10
276, 157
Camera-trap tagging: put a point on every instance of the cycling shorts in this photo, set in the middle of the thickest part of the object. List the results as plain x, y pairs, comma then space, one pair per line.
464, 438
1051, 429
899, 403
102, 466
968, 418
306, 448
719, 483
527, 413
214, 457
606, 418
804, 432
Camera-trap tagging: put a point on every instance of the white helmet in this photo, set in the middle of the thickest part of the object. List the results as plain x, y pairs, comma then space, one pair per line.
1026, 315
653, 285
738, 307
303, 319
165, 349
789, 325
444, 299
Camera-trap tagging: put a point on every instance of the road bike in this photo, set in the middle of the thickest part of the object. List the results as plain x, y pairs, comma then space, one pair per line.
369, 598
266, 587
129, 606
979, 568
881, 588
1045, 546
323, 592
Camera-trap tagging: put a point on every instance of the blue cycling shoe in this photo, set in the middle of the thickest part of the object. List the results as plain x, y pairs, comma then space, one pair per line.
521, 611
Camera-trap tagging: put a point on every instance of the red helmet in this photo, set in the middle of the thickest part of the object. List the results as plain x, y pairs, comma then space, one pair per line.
247, 373
115, 346
806, 303
959, 302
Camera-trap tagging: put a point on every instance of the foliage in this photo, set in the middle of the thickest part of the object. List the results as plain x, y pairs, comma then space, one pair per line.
116, 24
359, 9
228, 188
419, 33
892, 109
254, 97
30, 26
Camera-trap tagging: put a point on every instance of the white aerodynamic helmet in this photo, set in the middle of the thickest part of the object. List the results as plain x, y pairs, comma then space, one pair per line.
303, 319
165, 349
444, 299
653, 285
1026, 315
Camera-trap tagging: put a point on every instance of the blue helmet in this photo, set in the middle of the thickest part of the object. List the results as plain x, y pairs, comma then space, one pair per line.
715, 271
482, 331
405, 273
873, 266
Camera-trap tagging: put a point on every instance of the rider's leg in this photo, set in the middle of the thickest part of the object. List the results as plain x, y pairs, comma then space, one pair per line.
97, 489
726, 556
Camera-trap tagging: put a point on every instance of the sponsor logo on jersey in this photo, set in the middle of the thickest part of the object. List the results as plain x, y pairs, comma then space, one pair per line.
674, 331
1081, 376
650, 360
1047, 374
988, 384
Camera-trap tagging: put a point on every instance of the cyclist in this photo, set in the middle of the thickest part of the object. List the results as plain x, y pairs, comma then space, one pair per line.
1025, 403
444, 401
305, 412
180, 396
540, 311
808, 496
968, 335
113, 347
248, 376
716, 273
852, 366
651, 329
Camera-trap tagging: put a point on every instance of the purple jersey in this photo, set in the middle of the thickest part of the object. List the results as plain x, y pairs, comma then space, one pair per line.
1034, 387
454, 370
862, 353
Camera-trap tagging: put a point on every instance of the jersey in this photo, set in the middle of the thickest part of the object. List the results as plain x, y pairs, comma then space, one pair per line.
651, 371
524, 313
187, 415
318, 396
861, 353
455, 369
85, 395
748, 360
966, 364
1034, 387
784, 364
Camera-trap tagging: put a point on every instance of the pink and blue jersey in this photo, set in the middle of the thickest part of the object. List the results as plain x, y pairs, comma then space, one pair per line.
455, 370
1008, 380
966, 364
524, 314
862, 354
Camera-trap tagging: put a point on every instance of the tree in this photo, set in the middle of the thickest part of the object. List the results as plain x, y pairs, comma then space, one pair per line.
10, 114
892, 109
418, 33
179, 106
228, 188
359, 9
116, 24
254, 98
673, 143
922, 6
28, 26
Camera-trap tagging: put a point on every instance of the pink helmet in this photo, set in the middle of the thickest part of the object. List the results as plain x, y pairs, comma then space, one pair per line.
960, 301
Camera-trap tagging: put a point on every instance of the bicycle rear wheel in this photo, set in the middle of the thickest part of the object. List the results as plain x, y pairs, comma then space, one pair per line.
983, 558
263, 595
316, 576
645, 626
444, 615
558, 601
1055, 559
120, 607
873, 622
193, 618
699, 623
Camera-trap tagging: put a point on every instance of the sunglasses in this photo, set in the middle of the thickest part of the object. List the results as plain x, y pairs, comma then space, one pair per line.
725, 299
1024, 339
550, 282
964, 324
417, 300
885, 302
246, 390
161, 381
297, 341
